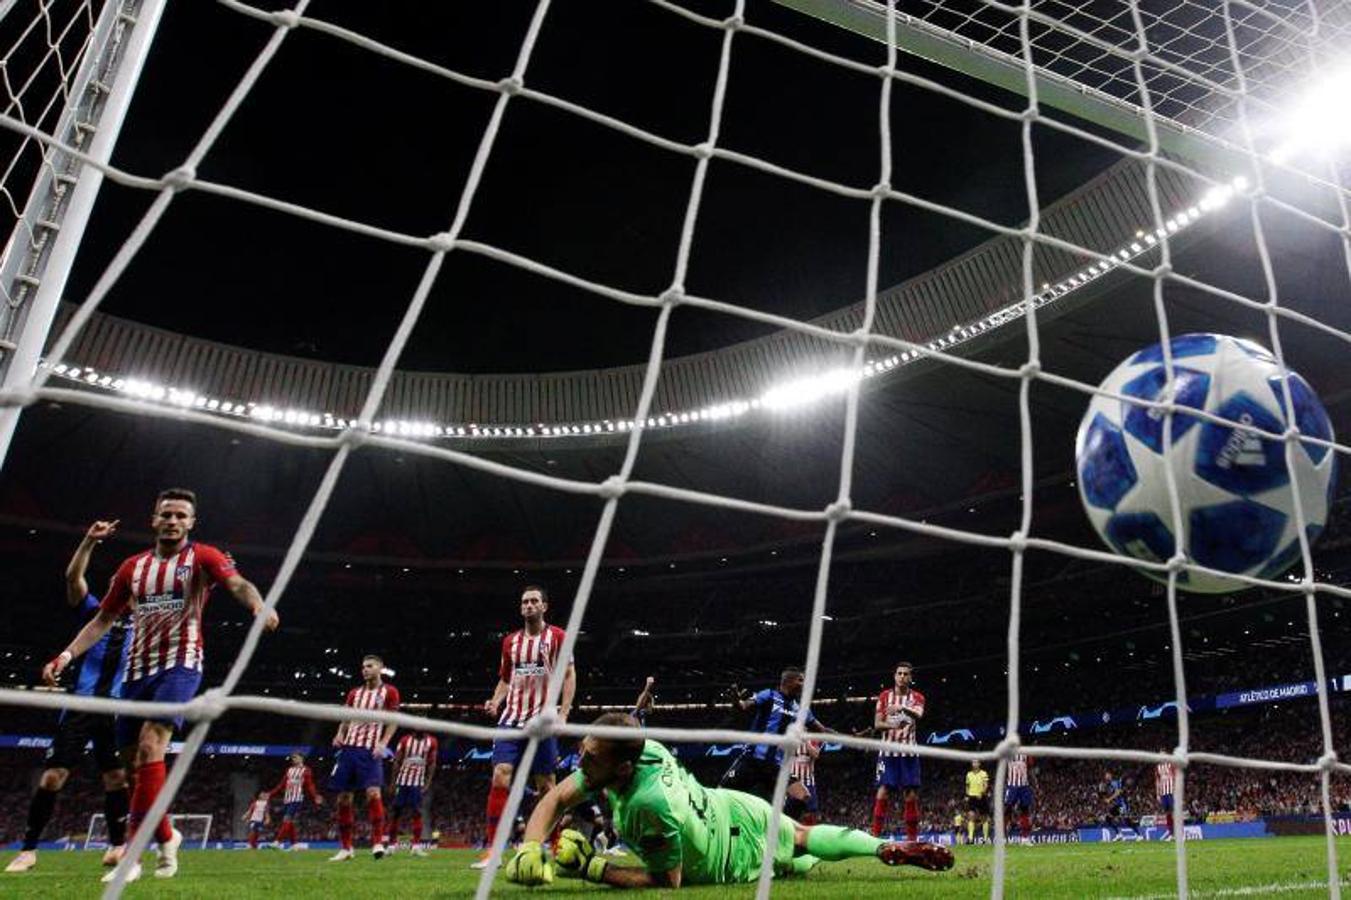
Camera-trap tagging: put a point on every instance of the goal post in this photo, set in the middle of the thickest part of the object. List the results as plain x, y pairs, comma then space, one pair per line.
195, 827
41, 249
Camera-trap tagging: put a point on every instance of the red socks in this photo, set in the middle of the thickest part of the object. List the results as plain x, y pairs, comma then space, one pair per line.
497, 801
1025, 825
417, 828
287, 832
253, 839
912, 819
392, 827
879, 816
346, 821
375, 810
149, 780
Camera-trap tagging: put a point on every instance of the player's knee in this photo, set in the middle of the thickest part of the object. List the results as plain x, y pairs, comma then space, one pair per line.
502, 775
372, 793
53, 779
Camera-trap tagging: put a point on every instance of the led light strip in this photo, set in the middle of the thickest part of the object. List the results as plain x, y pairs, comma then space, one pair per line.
792, 394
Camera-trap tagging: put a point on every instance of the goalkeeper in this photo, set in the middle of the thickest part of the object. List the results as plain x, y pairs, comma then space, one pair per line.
681, 831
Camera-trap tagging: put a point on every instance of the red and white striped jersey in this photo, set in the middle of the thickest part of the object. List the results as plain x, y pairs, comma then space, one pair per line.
166, 596
417, 752
527, 662
1016, 776
1165, 774
258, 811
902, 713
295, 785
367, 734
804, 764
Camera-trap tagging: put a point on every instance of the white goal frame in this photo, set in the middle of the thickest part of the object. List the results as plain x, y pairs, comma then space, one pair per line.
513, 88
93, 843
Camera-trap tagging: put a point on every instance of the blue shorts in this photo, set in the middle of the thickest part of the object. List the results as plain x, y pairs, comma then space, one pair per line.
1119, 808
1020, 797
812, 803
1166, 803
898, 772
408, 796
355, 770
256, 827
291, 810
510, 753
176, 685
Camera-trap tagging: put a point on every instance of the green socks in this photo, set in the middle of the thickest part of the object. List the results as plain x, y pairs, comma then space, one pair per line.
833, 843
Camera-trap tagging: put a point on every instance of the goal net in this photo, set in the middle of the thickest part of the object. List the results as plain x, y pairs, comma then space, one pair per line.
1177, 88
195, 828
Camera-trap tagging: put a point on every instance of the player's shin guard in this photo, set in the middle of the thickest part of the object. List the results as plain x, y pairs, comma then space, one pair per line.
39, 814
375, 810
149, 781
497, 801
835, 842
392, 827
417, 828
346, 823
912, 818
879, 817
115, 806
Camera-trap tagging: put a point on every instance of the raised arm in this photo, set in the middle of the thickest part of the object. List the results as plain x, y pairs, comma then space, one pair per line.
77, 588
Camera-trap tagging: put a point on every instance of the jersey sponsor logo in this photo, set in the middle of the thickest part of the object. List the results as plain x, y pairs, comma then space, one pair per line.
530, 668
161, 602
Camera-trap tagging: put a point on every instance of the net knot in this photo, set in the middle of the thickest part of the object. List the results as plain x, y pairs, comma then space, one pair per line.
733, 23
1328, 761
1177, 562
1030, 369
881, 190
1018, 541
672, 296
1290, 435
356, 436
1008, 747
1180, 758
542, 725
285, 18
212, 704
703, 150
180, 178
612, 487
838, 511
1162, 270
511, 86
441, 242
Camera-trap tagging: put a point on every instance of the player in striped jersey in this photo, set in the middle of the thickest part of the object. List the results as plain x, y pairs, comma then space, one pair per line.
414, 769
296, 783
802, 782
1018, 794
100, 676
361, 758
529, 656
1165, 779
899, 710
258, 818
166, 589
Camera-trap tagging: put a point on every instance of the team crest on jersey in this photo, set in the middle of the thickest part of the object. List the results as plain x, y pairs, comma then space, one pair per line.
182, 572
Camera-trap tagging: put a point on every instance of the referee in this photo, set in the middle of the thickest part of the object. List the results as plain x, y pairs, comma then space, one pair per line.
977, 802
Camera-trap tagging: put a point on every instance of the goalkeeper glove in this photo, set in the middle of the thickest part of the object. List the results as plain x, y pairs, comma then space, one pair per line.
530, 866
577, 858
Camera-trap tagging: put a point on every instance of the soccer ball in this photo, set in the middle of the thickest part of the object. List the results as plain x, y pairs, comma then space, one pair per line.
1233, 486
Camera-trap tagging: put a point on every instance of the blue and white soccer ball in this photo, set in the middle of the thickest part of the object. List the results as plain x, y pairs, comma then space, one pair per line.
1234, 487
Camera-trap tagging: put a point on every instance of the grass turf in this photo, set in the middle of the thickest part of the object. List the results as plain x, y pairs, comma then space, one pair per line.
1290, 867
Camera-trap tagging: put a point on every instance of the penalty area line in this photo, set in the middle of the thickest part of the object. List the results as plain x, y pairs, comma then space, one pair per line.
1258, 890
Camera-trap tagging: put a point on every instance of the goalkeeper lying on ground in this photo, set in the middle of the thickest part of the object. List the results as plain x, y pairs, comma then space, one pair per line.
682, 831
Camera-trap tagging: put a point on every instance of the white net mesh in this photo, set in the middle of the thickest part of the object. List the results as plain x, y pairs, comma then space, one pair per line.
1181, 63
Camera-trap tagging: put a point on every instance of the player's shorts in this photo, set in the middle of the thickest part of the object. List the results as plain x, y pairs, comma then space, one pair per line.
291, 810
751, 775
176, 685
1019, 797
256, 827
749, 831
812, 804
1119, 808
77, 730
408, 796
510, 753
978, 805
898, 772
356, 770
1166, 803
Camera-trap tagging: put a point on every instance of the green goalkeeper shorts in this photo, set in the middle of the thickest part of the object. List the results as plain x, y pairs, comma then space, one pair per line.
749, 819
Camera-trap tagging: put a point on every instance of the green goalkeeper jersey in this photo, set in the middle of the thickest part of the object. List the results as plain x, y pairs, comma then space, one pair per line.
669, 819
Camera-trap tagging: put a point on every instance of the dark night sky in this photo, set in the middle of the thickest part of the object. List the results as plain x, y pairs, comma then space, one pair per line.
339, 129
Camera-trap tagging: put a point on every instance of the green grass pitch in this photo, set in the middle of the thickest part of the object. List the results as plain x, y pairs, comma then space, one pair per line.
1290, 867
